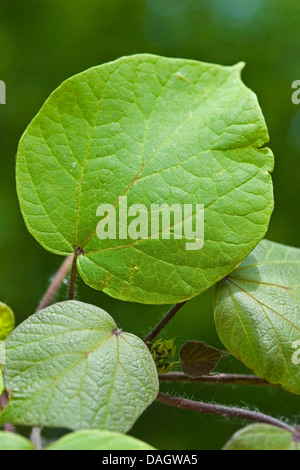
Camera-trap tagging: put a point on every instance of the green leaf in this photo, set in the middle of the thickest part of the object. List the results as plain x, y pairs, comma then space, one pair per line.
152, 130
262, 437
257, 313
198, 358
7, 321
11, 441
2, 385
69, 366
98, 440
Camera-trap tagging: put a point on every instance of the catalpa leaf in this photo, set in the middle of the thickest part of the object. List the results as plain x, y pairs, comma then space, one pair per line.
11, 441
263, 437
257, 313
69, 366
147, 130
7, 322
98, 440
198, 358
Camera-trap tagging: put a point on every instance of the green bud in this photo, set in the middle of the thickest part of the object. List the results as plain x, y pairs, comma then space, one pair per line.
163, 352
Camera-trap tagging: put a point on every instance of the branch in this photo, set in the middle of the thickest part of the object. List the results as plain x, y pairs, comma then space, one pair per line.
163, 323
56, 283
225, 379
220, 410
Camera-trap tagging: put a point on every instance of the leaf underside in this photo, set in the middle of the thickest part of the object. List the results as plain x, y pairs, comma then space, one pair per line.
198, 359
157, 131
68, 366
262, 437
257, 313
98, 440
11, 441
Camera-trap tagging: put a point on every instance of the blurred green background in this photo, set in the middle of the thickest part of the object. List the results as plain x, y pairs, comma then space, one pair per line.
44, 42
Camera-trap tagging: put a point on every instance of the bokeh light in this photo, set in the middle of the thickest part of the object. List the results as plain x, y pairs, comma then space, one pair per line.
237, 13
168, 8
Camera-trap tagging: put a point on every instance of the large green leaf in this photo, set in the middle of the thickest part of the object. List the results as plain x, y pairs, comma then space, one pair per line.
7, 321
98, 440
69, 366
257, 313
11, 441
262, 437
152, 130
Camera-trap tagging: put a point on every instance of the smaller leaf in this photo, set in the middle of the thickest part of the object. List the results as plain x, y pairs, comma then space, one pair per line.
70, 366
7, 321
98, 440
198, 358
263, 437
11, 441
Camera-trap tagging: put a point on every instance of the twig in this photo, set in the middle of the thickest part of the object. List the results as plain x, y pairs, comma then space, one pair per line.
220, 410
56, 283
74, 274
224, 379
8, 427
163, 323
35, 438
